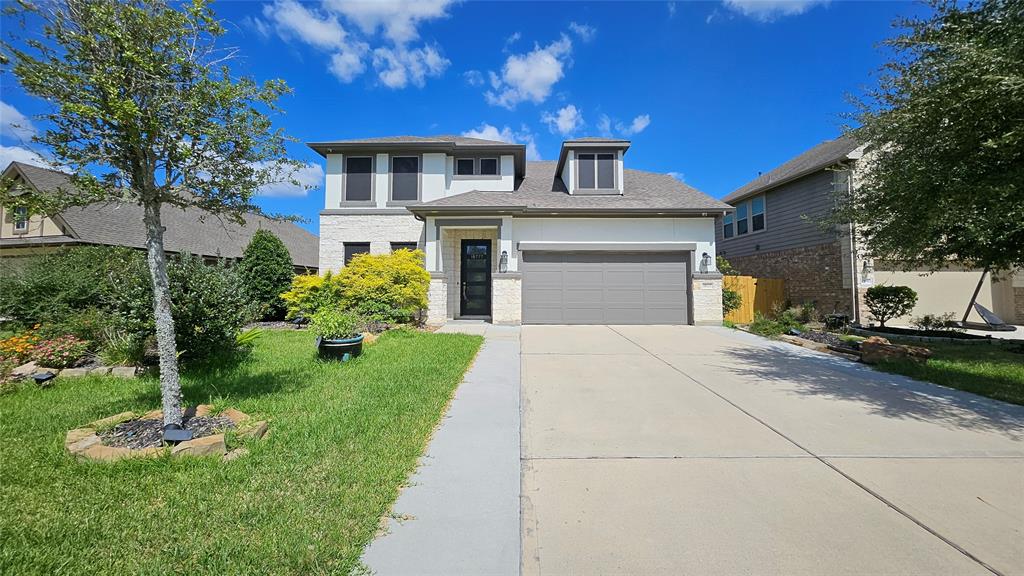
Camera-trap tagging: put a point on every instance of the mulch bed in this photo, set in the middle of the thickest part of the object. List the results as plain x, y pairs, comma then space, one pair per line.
828, 338
148, 432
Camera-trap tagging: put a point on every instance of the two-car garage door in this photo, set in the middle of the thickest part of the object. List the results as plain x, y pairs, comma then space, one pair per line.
605, 287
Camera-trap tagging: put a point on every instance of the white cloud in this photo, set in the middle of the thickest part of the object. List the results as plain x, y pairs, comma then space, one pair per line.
678, 176
565, 121
604, 126
671, 9
398, 19
636, 126
398, 67
10, 154
586, 32
512, 39
530, 76
489, 132
771, 10
308, 176
15, 124
396, 63
473, 77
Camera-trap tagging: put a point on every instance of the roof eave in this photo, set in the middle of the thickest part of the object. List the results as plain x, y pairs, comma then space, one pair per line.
708, 212
773, 185
563, 153
518, 150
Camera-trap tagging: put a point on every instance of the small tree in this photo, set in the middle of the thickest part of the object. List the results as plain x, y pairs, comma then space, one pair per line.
888, 302
145, 110
731, 300
266, 271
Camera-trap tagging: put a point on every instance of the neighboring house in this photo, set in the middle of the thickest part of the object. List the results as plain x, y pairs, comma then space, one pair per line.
776, 231
579, 241
116, 223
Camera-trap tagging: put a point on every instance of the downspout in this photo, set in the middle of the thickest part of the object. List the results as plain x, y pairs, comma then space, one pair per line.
853, 256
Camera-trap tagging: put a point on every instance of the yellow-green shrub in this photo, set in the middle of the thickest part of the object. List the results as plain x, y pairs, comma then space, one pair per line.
385, 287
310, 292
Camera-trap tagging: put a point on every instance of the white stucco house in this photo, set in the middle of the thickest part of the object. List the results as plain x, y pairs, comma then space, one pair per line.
580, 240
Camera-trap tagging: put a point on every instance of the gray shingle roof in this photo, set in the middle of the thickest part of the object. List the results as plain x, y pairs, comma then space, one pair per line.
820, 157
188, 230
443, 138
542, 190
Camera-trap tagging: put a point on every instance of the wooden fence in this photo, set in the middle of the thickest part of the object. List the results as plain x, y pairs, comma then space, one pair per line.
758, 294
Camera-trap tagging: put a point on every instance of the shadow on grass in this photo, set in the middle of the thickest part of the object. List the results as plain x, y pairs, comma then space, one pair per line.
888, 395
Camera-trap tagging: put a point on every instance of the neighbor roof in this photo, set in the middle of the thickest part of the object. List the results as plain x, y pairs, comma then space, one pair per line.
542, 191
822, 156
444, 143
192, 230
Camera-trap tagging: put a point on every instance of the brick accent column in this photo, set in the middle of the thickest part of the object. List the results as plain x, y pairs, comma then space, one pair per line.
507, 298
707, 299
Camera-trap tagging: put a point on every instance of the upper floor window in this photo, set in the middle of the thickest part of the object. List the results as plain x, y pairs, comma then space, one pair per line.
21, 219
749, 217
405, 178
595, 171
477, 167
358, 178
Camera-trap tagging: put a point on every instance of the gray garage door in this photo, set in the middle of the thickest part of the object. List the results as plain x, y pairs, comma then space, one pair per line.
605, 287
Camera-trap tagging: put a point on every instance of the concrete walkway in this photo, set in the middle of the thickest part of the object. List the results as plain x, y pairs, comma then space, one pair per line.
460, 514
683, 450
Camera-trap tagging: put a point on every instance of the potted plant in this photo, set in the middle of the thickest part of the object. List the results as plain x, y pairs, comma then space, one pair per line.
338, 334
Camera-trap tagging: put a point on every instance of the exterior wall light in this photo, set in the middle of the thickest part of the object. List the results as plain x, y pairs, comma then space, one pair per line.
705, 263
503, 262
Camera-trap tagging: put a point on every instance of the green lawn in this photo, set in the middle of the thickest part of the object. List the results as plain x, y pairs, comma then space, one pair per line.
306, 500
993, 370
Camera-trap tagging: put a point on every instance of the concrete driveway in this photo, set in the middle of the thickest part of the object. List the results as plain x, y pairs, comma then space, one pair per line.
684, 450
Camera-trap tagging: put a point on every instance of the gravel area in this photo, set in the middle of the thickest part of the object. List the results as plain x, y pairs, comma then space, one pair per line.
148, 433
828, 338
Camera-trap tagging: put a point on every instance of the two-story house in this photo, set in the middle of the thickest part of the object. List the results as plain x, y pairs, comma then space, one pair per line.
580, 240
777, 231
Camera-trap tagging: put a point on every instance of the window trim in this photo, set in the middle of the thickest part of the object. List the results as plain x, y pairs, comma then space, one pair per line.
727, 221
25, 220
415, 245
391, 179
616, 185
748, 204
345, 246
373, 181
476, 175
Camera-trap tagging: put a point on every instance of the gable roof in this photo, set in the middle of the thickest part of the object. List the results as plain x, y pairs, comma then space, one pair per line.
542, 191
822, 156
119, 223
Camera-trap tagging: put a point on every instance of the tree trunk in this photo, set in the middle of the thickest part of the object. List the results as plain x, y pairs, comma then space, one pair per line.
170, 387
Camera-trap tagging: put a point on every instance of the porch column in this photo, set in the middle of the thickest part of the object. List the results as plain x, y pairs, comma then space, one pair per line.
431, 245
507, 245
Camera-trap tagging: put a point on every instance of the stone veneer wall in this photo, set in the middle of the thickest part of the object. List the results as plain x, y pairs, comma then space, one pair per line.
380, 230
812, 274
707, 299
437, 300
507, 298
1018, 305
451, 263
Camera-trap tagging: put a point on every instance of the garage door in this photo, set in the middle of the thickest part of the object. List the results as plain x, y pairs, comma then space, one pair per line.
605, 287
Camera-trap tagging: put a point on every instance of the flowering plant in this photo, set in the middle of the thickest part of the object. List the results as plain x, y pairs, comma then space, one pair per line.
60, 352
19, 348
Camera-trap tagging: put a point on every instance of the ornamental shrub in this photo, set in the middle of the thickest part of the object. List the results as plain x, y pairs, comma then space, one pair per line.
334, 324
266, 271
311, 292
389, 288
888, 302
731, 300
60, 352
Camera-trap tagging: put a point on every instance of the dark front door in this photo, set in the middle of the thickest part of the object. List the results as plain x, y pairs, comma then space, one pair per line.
475, 294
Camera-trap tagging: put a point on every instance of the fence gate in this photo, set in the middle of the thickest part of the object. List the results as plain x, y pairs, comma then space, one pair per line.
758, 294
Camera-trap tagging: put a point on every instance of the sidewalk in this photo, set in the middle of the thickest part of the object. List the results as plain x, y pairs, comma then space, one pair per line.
460, 514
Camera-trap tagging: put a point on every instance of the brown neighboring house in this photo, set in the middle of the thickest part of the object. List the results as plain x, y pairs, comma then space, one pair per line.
776, 232
114, 223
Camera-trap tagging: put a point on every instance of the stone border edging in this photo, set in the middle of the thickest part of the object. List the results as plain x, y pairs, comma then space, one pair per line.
85, 444
935, 339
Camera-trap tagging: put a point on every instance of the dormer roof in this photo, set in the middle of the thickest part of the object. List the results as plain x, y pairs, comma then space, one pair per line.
589, 142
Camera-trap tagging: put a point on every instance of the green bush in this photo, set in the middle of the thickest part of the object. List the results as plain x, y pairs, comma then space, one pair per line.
310, 292
943, 322
772, 327
389, 288
725, 267
266, 271
334, 324
888, 302
120, 349
731, 300
60, 352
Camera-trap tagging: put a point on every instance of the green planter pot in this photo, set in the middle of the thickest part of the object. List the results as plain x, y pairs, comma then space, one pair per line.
343, 349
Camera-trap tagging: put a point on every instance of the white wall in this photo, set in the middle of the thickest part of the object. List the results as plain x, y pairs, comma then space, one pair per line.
332, 188
504, 184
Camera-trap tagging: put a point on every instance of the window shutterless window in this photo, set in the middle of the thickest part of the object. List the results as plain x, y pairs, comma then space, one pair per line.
405, 178
757, 213
488, 166
20, 219
741, 219
353, 249
403, 246
464, 166
596, 171
727, 226
358, 179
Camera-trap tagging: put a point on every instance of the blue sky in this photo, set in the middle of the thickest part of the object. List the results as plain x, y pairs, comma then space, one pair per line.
711, 91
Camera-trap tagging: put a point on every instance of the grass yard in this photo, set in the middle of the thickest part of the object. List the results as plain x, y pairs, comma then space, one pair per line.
306, 500
989, 370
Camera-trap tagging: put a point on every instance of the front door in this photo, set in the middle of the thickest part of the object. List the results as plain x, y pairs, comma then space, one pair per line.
475, 294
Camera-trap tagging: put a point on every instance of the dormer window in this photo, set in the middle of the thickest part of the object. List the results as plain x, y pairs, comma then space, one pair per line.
596, 171
470, 167
21, 219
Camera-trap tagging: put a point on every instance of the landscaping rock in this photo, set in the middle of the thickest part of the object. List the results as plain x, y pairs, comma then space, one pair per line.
198, 410
77, 435
25, 370
877, 349
206, 446
235, 454
74, 372
106, 453
148, 432
369, 338
111, 421
235, 415
255, 430
100, 371
157, 414
817, 346
84, 444
123, 371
